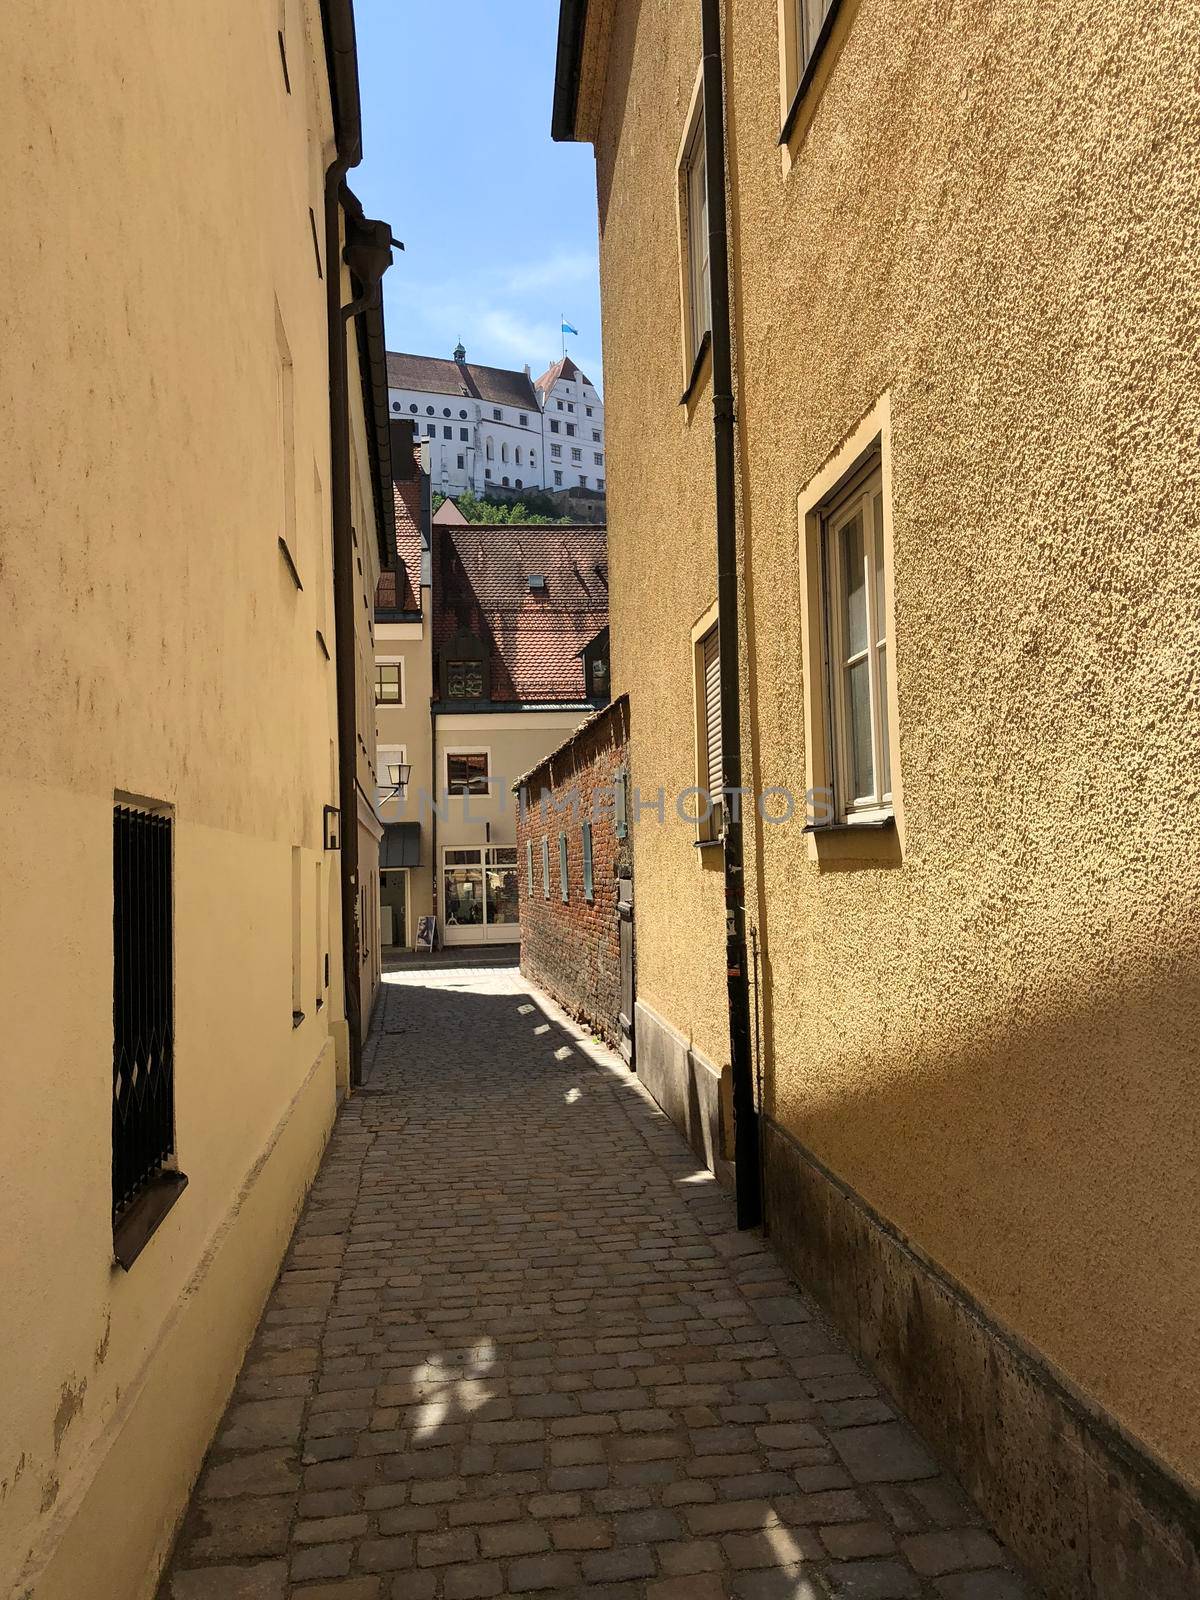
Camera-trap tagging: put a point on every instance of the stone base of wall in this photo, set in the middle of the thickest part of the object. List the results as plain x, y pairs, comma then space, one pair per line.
686, 1085
1091, 1515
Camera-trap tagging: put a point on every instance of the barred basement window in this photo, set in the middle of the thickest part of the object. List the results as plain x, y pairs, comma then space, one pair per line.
144, 1186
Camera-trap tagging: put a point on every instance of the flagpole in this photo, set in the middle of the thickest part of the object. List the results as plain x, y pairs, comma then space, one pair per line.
563, 327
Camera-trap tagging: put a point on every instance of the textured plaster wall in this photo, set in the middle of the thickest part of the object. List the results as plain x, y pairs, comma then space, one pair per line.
661, 520
156, 644
990, 215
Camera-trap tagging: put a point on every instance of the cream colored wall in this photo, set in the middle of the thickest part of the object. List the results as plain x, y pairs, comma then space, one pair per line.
661, 516
994, 1041
167, 179
409, 725
366, 581
516, 741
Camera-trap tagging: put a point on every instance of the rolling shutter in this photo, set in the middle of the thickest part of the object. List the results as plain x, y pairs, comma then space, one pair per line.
711, 647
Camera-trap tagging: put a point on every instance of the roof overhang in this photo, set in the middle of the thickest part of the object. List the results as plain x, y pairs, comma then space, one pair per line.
341, 57
400, 845
584, 30
363, 234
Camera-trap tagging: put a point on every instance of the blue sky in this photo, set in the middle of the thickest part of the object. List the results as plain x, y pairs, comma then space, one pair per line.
499, 223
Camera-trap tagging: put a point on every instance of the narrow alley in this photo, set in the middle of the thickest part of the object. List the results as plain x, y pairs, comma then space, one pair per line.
519, 1346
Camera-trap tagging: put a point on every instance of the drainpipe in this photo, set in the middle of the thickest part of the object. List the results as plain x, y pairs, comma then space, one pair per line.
745, 1112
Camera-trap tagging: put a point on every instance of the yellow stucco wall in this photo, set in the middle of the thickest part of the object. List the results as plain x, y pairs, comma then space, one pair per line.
156, 645
987, 218
661, 522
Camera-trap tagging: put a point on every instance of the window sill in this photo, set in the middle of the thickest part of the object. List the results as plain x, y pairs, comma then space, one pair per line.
709, 844
297, 1018
289, 563
809, 73
867, 825
133, 1231
693, 382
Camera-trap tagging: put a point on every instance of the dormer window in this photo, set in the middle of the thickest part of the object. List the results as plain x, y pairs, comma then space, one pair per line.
464, 680
537, 583
464, 668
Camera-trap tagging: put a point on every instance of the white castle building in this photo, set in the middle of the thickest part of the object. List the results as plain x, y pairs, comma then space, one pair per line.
488, 428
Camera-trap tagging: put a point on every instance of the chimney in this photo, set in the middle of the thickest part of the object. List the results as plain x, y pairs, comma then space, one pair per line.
528, 373
404, 467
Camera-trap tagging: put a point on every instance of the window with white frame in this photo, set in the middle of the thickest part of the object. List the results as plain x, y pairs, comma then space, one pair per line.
854, 598
467, 772
389, 683
556, 452
810, 19
695, 195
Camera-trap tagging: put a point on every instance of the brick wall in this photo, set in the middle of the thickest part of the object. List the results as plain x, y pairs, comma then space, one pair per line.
572, 950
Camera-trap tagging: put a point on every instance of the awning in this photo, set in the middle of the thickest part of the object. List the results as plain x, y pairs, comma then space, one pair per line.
400, 845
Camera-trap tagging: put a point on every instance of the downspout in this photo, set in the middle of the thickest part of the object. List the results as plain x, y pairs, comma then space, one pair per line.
745, 1111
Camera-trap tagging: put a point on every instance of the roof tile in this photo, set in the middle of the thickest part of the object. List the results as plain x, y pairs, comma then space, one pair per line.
481, 578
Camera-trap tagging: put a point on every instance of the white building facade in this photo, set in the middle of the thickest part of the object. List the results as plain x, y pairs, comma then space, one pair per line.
490, 429
482, 425
573, 414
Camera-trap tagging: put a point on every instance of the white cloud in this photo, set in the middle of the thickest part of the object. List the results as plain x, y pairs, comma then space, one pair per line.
560, 271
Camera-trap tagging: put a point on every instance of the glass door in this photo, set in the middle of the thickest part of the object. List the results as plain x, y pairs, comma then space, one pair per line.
462, 896
502, 900
479, 895
393, 908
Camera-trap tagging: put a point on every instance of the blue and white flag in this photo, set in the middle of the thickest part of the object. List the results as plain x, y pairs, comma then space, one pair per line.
567, 328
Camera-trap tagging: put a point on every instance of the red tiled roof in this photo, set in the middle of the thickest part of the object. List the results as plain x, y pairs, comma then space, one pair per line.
481, 578
432, 375
565, 369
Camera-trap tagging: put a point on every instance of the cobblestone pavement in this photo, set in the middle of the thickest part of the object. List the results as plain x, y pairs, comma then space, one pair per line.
519, 1347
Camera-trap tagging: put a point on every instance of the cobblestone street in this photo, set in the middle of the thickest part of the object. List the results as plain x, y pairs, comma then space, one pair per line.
518, 1346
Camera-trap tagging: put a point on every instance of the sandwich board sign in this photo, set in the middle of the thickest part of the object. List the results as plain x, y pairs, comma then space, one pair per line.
426, 932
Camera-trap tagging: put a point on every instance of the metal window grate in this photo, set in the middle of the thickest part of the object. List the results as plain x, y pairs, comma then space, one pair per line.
143, 1108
